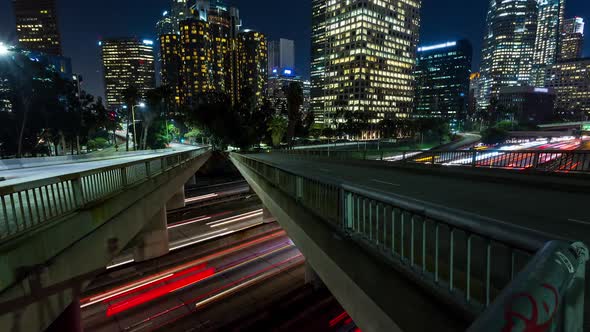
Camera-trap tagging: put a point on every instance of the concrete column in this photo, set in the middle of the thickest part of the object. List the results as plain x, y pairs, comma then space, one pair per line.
69, 320
153, 239
266, 216
192, 181
312, 278
177, 201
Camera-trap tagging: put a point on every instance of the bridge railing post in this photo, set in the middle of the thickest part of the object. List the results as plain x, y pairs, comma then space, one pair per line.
536, 159
78, 191
474, 158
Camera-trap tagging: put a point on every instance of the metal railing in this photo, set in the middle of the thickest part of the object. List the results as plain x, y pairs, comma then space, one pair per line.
28, 205
560, 161
462, 257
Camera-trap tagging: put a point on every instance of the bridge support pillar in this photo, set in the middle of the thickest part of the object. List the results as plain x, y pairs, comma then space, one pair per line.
312, 278
266, 215
153, 239
69, 320
177, 201
192, 181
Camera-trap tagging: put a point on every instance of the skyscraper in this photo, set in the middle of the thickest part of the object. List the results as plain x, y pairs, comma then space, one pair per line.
220, 29
572, 39
318, 59
508, 47
252, 64
170, 65
281, 55
571, 82
127, 62
549, 23
170, 21
442, 76
196, 53
36, 26
363, 57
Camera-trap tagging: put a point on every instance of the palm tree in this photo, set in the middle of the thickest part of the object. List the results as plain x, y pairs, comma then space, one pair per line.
277, 127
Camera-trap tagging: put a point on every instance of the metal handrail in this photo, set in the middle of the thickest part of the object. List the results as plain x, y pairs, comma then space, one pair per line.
29, 204
435, 244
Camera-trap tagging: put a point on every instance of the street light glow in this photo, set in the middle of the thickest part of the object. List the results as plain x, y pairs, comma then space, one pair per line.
3, 49
142, 105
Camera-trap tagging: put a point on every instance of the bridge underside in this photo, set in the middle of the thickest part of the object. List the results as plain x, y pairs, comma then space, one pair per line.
51, 266
374, 293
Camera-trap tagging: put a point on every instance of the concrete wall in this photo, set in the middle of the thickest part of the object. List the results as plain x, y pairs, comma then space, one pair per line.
43, 271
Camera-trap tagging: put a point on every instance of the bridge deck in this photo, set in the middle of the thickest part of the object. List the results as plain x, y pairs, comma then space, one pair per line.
561, 213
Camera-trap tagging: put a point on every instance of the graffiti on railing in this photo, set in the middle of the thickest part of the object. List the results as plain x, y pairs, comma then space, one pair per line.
516, 319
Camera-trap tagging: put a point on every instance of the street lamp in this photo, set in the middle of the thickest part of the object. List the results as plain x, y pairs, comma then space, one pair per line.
3, 49
140, 105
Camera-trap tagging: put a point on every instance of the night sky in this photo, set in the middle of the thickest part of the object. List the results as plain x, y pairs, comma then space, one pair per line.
83, 23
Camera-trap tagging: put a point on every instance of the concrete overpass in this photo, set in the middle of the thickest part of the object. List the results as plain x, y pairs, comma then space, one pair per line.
63, 222
408, 249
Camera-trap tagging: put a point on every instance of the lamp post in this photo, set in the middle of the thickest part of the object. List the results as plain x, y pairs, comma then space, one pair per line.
141, 105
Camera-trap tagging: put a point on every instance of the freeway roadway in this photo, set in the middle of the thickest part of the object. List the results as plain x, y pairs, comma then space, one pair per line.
553, 211
169, 295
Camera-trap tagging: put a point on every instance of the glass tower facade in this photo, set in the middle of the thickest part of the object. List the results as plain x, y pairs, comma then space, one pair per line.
252, 64
572, 39
571, 82
127, 62
508, 47
442, 76
36, 26
363, 57
549, 23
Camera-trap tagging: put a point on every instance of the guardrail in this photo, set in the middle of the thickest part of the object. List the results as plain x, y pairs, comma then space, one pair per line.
541, 160
27, 205
463, 258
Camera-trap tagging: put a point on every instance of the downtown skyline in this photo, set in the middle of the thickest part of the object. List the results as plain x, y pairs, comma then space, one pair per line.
81, 30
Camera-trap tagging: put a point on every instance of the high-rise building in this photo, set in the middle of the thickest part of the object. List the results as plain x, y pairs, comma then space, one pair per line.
277, 86
220, 29
572, 39
252, 64
171, 64
508, 47
36, 26
571, 82
170, 21
281, 55
127, 62
527, 104
196, 53
474, 92
363, 57
442, 80
549, 22
318, 59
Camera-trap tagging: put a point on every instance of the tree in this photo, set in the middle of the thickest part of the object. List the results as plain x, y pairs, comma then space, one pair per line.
294, 94
278, 127
131, 97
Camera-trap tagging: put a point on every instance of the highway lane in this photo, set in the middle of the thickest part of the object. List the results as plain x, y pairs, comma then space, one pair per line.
187, 288
553, 211
197, 226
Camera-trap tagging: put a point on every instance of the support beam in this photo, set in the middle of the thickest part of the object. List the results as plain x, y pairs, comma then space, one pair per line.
311, 277
69, 320
153, 239
192, 181
177, 201
266, 215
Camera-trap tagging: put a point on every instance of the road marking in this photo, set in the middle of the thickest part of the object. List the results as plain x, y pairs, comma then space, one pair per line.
389, 183
580, 221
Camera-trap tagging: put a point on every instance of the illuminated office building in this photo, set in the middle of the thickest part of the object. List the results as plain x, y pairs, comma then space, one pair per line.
127, 62
318, 58
549, 22
36, 26
196, 55
170, 65
170, 21
220, 29
281, 55
442, 80
571, 82
278, 83
474, 92
363, 57
508, 47
572, 39
252, 65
